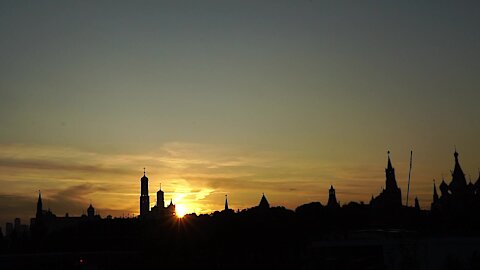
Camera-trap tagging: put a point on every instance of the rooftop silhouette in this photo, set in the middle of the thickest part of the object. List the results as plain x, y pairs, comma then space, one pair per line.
262, 234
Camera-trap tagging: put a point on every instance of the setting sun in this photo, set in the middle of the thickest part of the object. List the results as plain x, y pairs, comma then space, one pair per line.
180, 210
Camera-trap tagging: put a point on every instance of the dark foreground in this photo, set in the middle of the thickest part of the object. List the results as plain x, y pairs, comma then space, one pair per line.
312, 237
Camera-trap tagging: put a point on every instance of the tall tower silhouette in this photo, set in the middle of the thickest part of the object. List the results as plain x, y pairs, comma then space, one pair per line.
160, 198
458, 186
391, 196
391, 182
39, 206
226, 202
332, 198
90, 211
144, 198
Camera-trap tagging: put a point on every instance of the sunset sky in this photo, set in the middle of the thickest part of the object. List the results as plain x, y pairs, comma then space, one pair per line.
232, 97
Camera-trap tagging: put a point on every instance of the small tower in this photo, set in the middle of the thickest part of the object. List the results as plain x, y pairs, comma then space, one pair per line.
391, 182
39, 212
392, 194
90, 211
263, 202
160, 198
332, 198
226, 202
435, 194
144, 197
458, 185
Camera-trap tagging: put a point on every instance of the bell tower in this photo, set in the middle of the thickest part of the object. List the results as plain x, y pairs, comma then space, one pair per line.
144, 198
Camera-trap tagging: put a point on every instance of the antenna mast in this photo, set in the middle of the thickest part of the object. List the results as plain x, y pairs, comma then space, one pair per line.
409, 174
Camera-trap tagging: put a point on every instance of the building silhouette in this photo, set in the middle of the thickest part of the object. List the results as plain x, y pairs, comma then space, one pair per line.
332, 198
226, 203
263, 203
458, 196
159, 210
391, 195
45, 221
144, 197
90, 211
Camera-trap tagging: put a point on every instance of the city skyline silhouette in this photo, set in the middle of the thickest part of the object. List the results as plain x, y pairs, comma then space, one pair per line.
334, 115
340, 230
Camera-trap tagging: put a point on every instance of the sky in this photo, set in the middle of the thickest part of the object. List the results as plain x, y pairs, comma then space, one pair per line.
232, 97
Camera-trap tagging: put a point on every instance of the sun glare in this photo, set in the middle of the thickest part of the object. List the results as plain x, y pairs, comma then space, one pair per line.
180, 210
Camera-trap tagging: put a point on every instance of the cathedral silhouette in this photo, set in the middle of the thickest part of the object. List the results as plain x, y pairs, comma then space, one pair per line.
458, 196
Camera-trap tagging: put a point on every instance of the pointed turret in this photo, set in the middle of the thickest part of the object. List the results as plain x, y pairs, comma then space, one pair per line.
458, 186
443, 188
391, 182
226, 202
39, 206
389, 163
435, 194
332, 198
263, 202
90, 211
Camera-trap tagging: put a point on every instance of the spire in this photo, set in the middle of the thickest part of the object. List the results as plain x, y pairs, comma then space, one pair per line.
263, 202
144, 174
457, 169
39, 205
391, 182
332, 199
459, 183
435, 194
389, 165
90, 211
455, 154
226, 202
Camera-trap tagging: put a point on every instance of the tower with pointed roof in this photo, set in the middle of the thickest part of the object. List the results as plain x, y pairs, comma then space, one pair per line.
171, 209
435, 201
332, 198
90, 211
391, 181
458, 185
263, 203
226, 202
458, 196
391, 195
39, 212
144, 197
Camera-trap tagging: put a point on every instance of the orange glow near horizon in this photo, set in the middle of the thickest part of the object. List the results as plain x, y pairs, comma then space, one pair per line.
180, 210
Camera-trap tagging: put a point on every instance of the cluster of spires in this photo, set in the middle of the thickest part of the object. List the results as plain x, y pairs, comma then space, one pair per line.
453, 196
